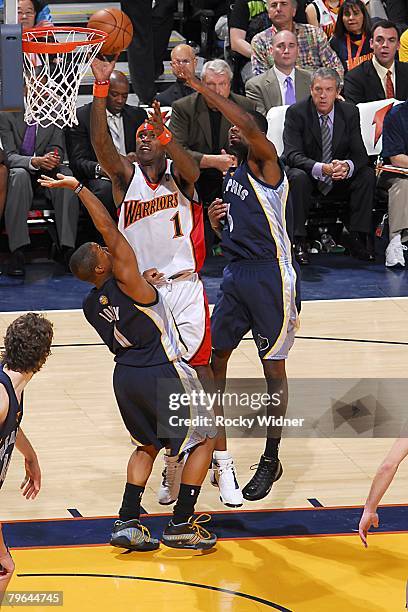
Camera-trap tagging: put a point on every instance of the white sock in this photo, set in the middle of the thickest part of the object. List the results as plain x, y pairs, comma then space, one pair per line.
220, 455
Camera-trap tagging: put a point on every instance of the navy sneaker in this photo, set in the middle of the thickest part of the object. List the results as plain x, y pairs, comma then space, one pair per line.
189, 535
133, 536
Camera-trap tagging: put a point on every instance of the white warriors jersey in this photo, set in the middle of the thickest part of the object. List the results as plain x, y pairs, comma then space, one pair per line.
164, 227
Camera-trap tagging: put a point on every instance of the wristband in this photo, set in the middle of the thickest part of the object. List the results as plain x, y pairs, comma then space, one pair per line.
165, 137
101, 89
78, 188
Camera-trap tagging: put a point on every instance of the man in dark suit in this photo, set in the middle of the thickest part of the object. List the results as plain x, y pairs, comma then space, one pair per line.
383, 76
181, 55
325, 153
32, 151
203, 131
123, 121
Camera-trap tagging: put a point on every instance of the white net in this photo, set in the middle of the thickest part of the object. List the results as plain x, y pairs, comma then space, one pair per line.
53, 77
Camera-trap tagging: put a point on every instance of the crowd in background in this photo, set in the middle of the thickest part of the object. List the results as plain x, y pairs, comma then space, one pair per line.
319, 59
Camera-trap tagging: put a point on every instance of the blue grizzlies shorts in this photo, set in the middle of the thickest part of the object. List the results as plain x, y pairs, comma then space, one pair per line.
143, 401
260, 296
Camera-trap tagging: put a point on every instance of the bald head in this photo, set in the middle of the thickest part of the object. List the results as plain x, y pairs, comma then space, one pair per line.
118, 92
284, 51
184, 56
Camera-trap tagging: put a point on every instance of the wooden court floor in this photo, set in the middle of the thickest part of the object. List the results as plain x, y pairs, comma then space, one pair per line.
72, 420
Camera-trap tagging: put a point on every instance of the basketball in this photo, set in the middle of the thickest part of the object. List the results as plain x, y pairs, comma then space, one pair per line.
118, 27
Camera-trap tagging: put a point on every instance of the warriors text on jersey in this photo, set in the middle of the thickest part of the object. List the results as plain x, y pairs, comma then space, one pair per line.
9, 429
164, 227
138, 335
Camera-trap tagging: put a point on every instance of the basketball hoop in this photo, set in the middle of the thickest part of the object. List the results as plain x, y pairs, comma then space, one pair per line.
55, 61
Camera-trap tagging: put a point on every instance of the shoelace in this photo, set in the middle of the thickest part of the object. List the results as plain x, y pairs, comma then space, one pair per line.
260, 473
196, 524
225, 468
169, 471
145, 532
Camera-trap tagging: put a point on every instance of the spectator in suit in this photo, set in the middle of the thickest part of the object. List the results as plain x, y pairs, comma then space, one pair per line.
383, 76
32, 151
395, 152
324, 150
283, 83
181, 55
351, 38
203, 131
123, 121
314, 50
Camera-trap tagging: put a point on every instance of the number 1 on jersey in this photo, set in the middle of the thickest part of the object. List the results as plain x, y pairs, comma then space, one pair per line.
177, 225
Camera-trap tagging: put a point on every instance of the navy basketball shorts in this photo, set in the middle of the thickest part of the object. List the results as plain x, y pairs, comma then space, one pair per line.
259, 296
142, 406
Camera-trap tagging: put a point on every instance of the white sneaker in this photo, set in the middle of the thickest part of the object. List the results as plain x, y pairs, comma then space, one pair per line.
394, 254
170, 485
224, 477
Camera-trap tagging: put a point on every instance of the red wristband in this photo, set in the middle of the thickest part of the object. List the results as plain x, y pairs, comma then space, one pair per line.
101, 89
165, 137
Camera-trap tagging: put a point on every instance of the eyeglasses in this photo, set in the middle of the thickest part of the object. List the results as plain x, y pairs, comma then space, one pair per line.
26, 13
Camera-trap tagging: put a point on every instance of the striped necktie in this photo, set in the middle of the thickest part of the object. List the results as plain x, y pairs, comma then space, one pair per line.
114, 130
326, 184
389, 86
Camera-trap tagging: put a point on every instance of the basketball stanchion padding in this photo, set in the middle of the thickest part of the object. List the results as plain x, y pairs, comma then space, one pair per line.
55, 61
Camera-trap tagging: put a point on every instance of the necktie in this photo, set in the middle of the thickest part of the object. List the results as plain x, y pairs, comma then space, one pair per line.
326, 184
114, 130
28, 145
389, 87
290, 97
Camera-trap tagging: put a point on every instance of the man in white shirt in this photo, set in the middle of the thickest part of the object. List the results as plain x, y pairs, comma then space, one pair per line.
283, 84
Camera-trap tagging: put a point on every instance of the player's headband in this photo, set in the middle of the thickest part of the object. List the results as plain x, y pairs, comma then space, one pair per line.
145, 126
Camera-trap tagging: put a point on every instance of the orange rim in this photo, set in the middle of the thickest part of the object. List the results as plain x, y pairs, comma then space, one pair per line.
32, 45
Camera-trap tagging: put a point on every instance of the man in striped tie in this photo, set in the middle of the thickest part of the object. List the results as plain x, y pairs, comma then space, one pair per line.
325, 153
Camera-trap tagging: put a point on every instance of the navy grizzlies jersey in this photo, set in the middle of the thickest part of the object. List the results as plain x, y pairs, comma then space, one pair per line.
138, 334
9, 429
256, 223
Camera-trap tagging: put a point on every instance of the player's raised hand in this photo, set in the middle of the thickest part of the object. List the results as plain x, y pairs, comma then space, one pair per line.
156, 118
185, 74
62, 182
368, 519
102, 69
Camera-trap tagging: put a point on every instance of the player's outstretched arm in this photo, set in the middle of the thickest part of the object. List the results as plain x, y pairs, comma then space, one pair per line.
261, 147
31, 485
380, 484
118, 167
185, 166
125, 268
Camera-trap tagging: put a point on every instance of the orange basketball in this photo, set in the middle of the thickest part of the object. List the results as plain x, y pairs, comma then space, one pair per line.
118, 27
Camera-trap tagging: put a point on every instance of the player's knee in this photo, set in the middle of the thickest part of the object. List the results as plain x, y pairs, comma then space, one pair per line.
221, 355
148, 449
274, 369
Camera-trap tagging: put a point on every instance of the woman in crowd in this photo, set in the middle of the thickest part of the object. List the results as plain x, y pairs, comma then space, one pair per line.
351, 39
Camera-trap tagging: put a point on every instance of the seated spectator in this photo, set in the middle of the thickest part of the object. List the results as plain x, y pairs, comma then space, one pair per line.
351, 38
324, 150
283, 84
403, 50
395, 152
203, 131
32, 151
247, 19
32, 13
314, 49
181, 55
323, 13
123, 121
383, 76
